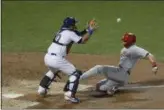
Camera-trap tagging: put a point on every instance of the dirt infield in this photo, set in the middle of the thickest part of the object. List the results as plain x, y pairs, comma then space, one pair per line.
21, 73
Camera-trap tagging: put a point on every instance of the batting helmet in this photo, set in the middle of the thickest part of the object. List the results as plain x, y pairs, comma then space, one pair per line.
69, 22
128, 39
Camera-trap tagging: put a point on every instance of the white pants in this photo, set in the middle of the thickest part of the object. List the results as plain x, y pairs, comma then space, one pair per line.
115, 76
55, 63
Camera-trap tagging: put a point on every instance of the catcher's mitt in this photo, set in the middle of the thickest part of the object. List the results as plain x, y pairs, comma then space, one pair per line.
92, 24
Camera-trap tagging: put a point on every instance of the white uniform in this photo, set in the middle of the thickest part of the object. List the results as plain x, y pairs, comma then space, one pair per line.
118, 75
58, 61
55, 57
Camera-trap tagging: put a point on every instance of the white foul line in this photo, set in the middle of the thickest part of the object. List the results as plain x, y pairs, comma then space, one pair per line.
12, 95
141, 87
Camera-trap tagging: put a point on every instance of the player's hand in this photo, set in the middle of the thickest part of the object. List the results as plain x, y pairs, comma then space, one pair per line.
92, 25
155, 69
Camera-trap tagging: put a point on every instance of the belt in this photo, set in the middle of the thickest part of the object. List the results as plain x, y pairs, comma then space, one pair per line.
126, 71
56, 55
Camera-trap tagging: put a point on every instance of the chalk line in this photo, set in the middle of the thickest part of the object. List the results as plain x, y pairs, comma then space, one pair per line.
12, 95
141, 87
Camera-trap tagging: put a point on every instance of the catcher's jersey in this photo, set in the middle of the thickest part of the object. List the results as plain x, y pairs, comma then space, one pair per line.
64, 37
129, 56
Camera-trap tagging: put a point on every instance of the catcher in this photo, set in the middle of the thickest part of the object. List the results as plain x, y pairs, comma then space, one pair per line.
55, 58
118, 75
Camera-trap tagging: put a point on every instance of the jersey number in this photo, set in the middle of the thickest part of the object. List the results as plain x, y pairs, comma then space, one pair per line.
58, 36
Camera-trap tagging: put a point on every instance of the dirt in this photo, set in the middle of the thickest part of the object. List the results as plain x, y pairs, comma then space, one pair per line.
21, 73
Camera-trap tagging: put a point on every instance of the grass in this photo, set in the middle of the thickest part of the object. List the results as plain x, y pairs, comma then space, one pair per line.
28, 26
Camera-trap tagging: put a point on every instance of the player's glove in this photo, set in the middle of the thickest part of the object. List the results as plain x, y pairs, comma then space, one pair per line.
155, 69
91, 26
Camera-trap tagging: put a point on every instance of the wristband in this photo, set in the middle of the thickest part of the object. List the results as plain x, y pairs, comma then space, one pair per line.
90, 31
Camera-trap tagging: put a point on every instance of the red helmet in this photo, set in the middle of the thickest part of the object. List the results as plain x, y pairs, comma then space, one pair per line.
128, 39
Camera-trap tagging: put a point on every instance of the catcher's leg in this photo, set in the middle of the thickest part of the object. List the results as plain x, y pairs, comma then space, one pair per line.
72, 86
46, 81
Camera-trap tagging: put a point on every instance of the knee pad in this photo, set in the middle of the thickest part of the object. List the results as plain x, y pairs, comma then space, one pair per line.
75, 76
72, 78
73, 82
77, 73
50, 74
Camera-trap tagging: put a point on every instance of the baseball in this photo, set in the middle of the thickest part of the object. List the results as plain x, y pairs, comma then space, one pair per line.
118, 20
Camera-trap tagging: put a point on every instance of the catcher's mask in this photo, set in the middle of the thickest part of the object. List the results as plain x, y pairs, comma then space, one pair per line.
128, 39
69, 22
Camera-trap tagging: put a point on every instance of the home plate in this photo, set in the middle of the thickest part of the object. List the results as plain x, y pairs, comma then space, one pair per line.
12, 95
14, 103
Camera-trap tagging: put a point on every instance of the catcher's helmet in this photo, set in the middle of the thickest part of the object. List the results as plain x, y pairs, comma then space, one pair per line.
128, 39
69, 21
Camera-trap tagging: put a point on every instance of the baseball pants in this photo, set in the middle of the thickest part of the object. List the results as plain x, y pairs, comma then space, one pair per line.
115, 76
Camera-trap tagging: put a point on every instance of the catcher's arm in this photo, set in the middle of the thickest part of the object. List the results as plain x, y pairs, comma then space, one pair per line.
69, 47
92, 26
